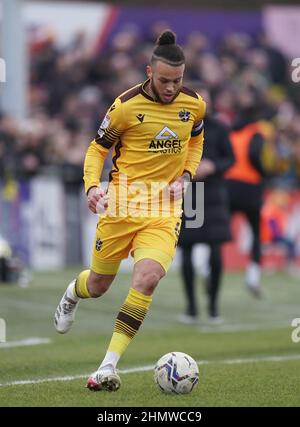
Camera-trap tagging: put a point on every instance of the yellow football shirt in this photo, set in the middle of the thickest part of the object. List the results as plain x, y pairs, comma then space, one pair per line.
154, 143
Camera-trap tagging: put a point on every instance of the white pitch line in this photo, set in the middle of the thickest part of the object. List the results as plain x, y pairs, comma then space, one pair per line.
24, 343
151, 367
231, 327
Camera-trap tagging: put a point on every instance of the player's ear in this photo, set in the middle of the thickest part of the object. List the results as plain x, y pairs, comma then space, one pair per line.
149, 71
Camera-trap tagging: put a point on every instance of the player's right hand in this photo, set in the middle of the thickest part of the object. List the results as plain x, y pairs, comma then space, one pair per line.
97, 200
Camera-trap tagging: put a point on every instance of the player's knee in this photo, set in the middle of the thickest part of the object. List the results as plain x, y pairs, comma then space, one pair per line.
98, 284
147, 281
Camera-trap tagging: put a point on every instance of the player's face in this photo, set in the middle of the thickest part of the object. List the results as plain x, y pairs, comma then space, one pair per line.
166, 80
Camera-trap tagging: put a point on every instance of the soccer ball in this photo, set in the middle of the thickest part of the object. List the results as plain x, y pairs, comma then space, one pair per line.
176, 372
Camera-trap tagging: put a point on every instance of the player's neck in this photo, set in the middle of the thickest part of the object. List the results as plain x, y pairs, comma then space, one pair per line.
148, 89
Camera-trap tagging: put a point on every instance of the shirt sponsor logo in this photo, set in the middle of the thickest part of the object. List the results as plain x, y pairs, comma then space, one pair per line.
165, 142
166, 133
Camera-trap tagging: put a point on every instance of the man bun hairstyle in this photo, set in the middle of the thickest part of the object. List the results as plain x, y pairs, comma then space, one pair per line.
168, 37
167, 50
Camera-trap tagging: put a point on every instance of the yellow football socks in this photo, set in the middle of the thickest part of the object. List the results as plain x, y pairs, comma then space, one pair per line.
81, 288
129, 319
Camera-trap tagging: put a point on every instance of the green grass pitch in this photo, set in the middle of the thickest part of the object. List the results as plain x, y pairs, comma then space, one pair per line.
250, 360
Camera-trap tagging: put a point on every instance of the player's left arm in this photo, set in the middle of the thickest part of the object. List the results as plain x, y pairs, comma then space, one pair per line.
177, 188
195, 147
195, 150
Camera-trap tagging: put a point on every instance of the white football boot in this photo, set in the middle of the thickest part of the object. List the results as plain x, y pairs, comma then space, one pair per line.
105, 378
65, 313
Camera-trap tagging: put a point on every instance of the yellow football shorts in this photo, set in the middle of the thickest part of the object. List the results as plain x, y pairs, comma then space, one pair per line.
154, 238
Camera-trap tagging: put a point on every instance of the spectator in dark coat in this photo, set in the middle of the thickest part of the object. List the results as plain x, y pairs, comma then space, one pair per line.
217, 158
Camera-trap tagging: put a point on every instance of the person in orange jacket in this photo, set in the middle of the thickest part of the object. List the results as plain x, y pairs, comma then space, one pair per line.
274, 221
245, 178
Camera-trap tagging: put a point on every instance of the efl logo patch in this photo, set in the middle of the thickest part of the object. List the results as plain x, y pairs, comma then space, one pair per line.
104, 125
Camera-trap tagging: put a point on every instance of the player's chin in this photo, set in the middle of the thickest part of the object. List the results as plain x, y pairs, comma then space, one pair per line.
166, 99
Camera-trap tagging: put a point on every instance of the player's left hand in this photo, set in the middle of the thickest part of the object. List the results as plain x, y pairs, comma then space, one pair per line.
177, 188
205, 168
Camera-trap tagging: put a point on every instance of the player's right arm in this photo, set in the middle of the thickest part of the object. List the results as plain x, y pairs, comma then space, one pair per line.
109, 132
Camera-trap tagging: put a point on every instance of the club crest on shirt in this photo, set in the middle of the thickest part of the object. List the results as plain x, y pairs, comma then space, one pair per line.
177, 232
184, 115
98, 244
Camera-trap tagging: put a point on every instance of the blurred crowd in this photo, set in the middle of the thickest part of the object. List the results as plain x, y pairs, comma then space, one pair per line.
72, 87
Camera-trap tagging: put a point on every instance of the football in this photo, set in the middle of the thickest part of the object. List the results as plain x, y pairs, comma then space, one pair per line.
176, 372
